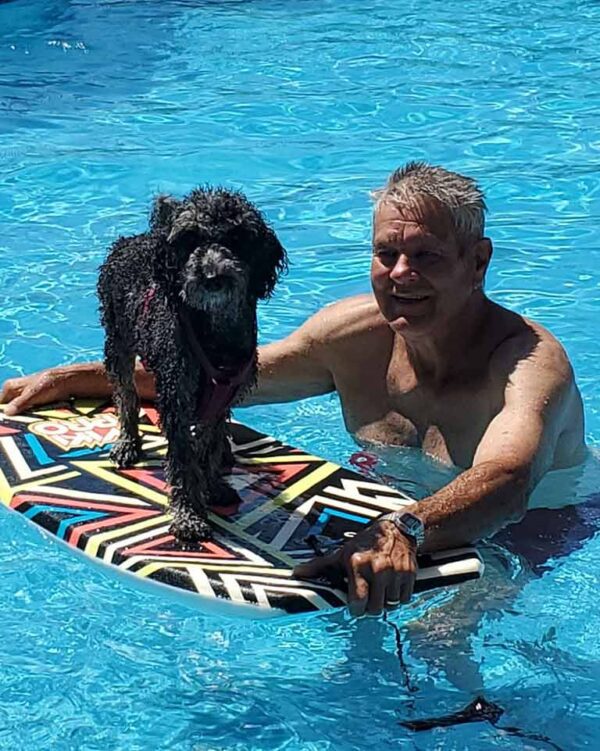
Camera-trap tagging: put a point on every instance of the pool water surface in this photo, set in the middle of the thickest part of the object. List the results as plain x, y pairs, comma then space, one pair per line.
306, 106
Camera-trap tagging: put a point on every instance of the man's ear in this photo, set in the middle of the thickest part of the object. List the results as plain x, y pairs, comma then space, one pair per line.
482, 254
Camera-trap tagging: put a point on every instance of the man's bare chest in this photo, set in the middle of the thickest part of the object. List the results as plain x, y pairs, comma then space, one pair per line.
447, 424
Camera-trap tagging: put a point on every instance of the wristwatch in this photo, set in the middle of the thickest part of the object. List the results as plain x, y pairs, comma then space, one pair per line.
407, 523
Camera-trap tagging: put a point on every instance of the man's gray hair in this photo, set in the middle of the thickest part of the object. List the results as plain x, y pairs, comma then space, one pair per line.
460, 196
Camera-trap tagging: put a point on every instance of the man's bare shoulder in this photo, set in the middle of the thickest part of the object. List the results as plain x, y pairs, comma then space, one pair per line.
534, 373
348, 320
531, 361
523, 341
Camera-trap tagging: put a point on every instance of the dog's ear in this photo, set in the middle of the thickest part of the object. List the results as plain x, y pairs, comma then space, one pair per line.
164, 210
185, 221
165, 260
172, 217
268, 265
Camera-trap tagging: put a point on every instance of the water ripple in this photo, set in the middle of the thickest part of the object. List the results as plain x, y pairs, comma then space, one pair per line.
306, 107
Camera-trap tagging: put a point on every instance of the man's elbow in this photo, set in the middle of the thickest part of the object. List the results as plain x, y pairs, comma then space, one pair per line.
507, 484
519, 481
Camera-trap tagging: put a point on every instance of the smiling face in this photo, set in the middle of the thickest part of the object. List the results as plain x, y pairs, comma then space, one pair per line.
421, 277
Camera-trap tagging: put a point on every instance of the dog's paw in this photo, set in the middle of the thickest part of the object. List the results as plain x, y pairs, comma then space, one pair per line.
224, 495
188, 528
227, 458
125, 452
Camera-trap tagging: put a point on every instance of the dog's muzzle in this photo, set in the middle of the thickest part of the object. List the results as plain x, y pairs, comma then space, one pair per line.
213, 278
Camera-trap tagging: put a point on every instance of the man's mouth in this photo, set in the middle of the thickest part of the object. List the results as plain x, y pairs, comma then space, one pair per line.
409, 297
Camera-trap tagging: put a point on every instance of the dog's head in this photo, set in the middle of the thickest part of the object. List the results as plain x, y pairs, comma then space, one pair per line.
215, 249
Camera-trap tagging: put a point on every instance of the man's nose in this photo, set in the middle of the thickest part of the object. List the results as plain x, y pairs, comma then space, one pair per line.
403, 270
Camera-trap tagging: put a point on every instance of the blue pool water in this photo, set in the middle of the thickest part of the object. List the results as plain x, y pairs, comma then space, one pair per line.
306, 106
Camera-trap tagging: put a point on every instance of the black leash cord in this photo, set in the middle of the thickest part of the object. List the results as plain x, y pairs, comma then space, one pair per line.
479, 710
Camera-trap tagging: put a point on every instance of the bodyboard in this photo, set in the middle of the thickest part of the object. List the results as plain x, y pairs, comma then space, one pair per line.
55, 471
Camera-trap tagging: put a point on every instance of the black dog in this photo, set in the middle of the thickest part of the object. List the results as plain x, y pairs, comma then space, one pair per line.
183, 297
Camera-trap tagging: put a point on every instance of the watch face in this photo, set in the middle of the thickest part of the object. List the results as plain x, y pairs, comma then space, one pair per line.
411, 522
412, 526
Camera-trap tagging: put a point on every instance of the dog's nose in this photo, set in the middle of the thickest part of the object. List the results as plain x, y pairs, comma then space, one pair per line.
214, 282
210, 270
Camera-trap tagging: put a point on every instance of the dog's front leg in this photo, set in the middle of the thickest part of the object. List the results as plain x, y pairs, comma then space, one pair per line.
186, 476
189, 494
226, 459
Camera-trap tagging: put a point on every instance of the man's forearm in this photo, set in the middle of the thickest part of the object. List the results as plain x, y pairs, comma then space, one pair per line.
478, 503
91, 380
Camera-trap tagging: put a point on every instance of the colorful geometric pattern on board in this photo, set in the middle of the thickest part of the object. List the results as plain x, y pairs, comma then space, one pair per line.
54, 469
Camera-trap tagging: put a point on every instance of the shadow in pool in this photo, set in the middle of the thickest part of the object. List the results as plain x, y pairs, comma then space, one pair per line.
545, 535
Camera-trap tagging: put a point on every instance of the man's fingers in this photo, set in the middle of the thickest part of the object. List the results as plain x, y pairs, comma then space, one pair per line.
377, 591
9, 390
358, 592
408, 583
316, 567
393, 592
19, 403
28, 397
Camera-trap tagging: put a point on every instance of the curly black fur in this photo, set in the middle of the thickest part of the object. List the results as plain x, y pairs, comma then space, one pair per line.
191, 282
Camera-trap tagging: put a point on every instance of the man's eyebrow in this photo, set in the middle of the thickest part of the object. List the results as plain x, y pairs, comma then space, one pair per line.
388, 238
384, 245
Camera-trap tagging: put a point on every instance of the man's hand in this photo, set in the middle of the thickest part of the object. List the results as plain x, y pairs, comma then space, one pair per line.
20, 394
380, 564
87, 380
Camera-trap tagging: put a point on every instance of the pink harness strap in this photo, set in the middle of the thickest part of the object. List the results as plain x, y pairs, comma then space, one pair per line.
222, 384
147, 299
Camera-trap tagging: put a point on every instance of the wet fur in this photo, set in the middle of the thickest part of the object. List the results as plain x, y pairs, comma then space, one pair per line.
159, 289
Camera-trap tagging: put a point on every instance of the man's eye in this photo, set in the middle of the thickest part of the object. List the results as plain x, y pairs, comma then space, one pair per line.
385, 253
428, 255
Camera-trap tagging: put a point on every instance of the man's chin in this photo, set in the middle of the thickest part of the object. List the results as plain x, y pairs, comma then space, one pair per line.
407, 323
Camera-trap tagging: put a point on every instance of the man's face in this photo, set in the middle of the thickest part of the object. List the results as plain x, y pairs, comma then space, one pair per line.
420, 277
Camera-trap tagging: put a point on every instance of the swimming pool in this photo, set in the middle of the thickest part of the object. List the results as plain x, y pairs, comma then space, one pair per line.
306, 106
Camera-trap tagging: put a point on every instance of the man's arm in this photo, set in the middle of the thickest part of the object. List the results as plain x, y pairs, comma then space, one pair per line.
303, 364
88, 380
293, 368
542, 413
541, 406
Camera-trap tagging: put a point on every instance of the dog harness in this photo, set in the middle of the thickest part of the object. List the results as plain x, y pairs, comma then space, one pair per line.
222, 383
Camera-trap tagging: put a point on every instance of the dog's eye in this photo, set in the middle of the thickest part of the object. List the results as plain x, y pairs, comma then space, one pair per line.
189, 237
183, 237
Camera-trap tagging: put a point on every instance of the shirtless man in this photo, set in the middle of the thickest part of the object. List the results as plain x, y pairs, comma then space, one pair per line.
428, 361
